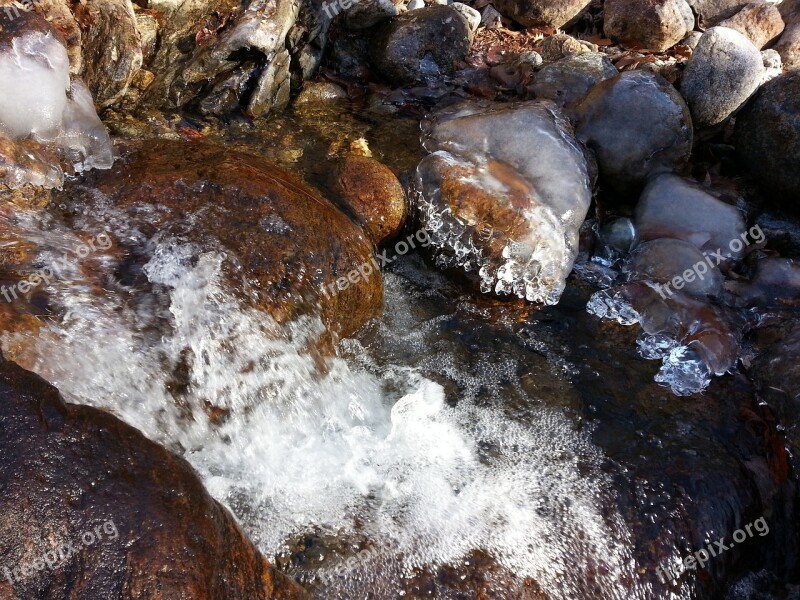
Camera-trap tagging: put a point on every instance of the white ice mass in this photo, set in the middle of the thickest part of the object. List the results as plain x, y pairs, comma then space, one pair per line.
38, 101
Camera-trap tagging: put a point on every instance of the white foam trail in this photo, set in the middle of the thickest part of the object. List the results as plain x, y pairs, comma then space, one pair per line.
296, 450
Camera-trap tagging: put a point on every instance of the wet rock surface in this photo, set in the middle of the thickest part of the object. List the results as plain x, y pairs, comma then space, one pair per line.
774, 114
612, 122
421, 45
724, 71
373, 194
78, 478
291, 248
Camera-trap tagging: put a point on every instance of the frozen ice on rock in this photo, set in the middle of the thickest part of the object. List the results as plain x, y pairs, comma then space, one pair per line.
40, 105
503, 195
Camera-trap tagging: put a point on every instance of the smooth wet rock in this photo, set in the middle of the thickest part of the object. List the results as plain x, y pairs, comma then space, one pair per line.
134, 518
503, 195
759, 23
674, 263
373, 193
768, 139
638, 125
724, 71
568, 81
286, 244
674, 207
541, 13
421, 45
652, 24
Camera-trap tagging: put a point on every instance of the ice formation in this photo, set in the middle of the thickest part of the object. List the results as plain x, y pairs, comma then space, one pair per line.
39, 102
503, 194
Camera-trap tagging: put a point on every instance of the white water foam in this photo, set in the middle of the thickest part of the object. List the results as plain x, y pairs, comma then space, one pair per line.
299, 450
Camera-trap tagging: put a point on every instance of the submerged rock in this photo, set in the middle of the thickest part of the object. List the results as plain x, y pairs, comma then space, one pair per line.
374, 195
46, 105
289, 251
542, 13
503, 195
768, 138
652, 24
638, 125
93, 509
421, 45
667, 261
674, 207
724, 71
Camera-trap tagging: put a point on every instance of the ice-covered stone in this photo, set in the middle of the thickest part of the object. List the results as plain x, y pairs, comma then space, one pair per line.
40, 105
503, 195
674, 207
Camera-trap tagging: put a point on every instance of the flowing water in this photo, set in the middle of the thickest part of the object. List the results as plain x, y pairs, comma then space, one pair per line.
441, 453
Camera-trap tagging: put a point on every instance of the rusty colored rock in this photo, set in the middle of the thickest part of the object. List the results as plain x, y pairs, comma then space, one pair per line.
288, 246
71, 474
373, 193
759, 23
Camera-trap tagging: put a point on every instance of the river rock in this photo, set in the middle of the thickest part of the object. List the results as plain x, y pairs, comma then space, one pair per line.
568, 81
774, 114
421, 45
541, 13
503, 195
672, 263
759, 23
652, 24
637, 124
775, 282
290, 251
724, 71
472, 16
133, 518
674, 207
374, 195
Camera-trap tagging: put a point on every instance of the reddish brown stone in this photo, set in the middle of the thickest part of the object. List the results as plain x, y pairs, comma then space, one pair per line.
68, 470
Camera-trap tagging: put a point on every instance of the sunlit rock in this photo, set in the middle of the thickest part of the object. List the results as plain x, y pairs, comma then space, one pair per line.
503, 195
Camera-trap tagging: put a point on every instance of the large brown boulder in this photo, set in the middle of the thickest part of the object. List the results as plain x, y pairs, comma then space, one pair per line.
290, 251
92, 509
